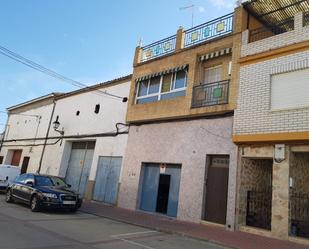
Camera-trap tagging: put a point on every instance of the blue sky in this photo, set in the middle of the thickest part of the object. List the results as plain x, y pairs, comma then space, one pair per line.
89, 41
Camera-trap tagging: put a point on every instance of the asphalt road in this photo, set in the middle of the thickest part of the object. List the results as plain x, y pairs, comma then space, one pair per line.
22, 229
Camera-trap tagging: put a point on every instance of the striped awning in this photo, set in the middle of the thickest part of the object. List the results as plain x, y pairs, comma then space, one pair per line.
172, 70
215, 54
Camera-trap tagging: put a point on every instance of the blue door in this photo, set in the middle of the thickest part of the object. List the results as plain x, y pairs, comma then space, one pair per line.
151, 185
172, 207
79, 166
151, 174
107, 179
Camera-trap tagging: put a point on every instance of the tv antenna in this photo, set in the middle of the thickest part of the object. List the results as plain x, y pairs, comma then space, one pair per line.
192, 9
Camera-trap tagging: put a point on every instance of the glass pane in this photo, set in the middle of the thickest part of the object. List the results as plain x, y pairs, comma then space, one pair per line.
213, 74
166, 84
180, 79
173, 95
147, 100
142, 91
154, 86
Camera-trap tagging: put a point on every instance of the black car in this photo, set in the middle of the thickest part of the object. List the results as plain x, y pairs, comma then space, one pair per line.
43, 191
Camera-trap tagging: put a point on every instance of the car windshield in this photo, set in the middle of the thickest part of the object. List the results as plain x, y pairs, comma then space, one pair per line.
58, 182
50, 181
43, 181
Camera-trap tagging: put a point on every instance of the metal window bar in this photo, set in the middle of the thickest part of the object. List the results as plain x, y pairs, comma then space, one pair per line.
159, 48
259, 209
265, 32
299, 214
209, 30
306, 19
216, 93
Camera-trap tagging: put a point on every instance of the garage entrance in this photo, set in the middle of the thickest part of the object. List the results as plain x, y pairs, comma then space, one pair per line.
159, 188
79, 165
216, 189
107, 179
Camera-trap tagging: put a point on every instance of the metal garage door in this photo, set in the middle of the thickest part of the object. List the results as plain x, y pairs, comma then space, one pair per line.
160, 188
107, 179
80, 165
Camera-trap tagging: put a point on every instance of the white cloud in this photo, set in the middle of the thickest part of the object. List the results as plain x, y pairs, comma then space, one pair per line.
201, 9
227, 4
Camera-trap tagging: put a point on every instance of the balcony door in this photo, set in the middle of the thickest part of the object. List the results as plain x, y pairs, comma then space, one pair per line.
213, 74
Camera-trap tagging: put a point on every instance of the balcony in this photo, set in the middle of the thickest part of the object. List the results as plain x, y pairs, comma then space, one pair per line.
185, 39
159, 48
209, 30
265, 32
210, 94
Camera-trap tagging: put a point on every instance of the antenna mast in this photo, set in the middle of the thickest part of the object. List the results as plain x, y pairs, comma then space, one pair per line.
192, 9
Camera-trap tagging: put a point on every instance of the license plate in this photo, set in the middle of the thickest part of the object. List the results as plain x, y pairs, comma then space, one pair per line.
69, 202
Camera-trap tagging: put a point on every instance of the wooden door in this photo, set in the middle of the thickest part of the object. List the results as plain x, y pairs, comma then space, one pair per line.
16, 157
217, 189
24, 165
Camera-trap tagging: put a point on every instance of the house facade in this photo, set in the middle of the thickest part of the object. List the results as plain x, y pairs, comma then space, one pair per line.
271, 122
87, 145
180, 159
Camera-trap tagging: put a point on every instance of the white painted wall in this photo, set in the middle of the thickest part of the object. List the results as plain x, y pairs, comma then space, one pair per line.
112, 111
56, 157
24, 126
27, 126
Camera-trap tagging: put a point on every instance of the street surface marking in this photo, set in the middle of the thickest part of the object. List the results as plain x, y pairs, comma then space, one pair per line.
136, 233
119, 237
135, 243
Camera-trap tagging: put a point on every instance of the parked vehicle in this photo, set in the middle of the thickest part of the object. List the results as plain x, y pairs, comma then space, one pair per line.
8, 173
43, 191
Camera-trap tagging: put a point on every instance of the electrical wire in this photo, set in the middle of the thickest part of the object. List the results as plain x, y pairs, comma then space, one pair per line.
214, 134
19, 114
31, 145
29, 63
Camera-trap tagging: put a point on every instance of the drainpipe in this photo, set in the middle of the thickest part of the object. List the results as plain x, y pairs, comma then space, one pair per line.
46, 137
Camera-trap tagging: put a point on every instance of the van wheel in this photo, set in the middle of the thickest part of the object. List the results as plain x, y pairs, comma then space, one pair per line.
9, 197
34, 204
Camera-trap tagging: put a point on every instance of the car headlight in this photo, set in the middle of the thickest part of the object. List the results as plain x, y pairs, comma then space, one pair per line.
50, 195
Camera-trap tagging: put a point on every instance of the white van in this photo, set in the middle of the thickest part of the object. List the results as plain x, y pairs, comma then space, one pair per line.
8, 173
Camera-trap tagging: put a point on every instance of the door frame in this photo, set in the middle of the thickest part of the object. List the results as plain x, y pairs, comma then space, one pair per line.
69, 158
109, 167
208, 161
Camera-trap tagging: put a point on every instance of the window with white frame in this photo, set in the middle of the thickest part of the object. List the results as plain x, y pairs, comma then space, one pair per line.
213, 74
162, 87
290, 90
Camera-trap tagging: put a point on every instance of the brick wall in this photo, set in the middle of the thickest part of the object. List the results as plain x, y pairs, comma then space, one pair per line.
299, 34
253, 114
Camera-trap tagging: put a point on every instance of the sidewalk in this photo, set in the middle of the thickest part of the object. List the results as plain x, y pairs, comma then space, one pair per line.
218, 235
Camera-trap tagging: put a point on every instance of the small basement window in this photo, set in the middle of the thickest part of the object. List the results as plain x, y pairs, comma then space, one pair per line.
97, 109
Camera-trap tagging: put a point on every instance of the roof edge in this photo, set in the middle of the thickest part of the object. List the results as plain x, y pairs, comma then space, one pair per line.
35, 100
95, 87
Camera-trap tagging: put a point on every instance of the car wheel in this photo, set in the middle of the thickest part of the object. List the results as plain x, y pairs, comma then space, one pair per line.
34, 204
73, 210
9, 197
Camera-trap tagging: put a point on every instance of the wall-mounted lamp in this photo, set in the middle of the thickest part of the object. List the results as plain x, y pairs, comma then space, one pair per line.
56, 125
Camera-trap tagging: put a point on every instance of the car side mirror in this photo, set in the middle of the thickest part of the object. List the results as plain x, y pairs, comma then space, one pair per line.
69, 185
29, 183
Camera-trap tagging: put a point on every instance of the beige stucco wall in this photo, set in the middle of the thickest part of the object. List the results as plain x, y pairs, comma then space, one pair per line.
186, 143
